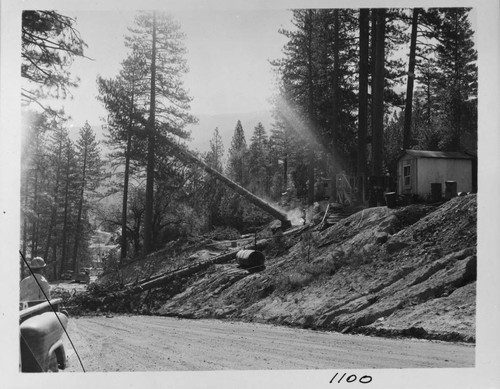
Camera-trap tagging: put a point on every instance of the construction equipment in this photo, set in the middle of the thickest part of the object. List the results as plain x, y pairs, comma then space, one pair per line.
185, 156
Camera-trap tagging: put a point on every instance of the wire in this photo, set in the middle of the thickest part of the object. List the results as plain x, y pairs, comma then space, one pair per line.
53, 309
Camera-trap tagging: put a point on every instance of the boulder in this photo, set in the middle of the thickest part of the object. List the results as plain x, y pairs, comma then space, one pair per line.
393, 246
381, 237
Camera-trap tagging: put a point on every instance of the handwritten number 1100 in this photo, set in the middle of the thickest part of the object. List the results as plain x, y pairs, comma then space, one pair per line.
366, 379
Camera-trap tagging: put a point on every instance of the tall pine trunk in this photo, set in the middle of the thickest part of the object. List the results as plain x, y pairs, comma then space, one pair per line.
53, 213
65, 217
336, 71
25, 221
124, 247
34, 226
148, 212
378, 95
335, 102
79, 217
411, 79
364, 26
123, 253
285, 172
457, 100
310, 157
373, 49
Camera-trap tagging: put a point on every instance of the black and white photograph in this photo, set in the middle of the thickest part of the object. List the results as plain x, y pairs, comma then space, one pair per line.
250, 194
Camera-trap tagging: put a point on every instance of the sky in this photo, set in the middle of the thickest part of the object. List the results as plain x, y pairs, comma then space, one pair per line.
228, 53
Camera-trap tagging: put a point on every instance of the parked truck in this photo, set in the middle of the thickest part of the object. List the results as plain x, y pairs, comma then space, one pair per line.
82, 276
41, 328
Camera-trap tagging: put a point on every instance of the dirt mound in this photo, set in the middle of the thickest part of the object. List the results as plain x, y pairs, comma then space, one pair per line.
409, 271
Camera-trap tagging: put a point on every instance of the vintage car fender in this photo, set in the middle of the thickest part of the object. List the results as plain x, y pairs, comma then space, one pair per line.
58, 353
42, 348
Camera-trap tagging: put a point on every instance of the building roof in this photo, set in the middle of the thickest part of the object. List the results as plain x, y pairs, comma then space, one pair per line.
436, 154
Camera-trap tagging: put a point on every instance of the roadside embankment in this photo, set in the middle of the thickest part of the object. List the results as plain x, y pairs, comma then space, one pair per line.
408, 271
393, 272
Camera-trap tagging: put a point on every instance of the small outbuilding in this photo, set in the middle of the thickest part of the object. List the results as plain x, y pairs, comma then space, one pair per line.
424, 173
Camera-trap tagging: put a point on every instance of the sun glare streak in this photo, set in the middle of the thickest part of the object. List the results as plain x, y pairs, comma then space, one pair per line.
305, 130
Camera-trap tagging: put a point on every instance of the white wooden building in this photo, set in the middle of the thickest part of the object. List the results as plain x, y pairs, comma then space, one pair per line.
418, 169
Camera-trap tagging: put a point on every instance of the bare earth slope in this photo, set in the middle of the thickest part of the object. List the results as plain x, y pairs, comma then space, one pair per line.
406, 272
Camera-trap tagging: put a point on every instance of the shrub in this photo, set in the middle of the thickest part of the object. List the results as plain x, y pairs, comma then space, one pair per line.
299, 280
309, 242
293, 280
60, 293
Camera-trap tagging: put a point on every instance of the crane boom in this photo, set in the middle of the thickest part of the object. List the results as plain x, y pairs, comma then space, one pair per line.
188, 157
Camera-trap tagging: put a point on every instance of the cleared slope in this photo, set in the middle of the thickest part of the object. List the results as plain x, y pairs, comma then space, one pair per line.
409, 271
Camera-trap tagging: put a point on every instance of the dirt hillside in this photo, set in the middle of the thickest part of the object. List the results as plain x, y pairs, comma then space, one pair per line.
407, 271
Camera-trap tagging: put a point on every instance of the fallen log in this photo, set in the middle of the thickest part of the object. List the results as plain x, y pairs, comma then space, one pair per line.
187, 157
189, 270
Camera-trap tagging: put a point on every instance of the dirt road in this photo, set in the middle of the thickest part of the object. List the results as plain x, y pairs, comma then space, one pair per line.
151, 343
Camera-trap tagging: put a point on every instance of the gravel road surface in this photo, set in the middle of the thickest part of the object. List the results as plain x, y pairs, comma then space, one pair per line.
152, 343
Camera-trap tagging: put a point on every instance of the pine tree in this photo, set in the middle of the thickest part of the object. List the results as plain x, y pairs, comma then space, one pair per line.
34, 169
60, 141
47, 186
378, 92
299, 75
457, 77
258, 161
335, 96
215, 157
122, 98
410, 82
171, 211
236, 164
159, 38
50, 42
90, 174
447, 76
317, 83
214, 191
70, 195
363, 74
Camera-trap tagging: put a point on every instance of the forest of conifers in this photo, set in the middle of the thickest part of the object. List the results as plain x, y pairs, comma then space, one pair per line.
354, 88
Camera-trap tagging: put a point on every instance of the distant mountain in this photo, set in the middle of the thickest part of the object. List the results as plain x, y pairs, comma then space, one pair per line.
202, 132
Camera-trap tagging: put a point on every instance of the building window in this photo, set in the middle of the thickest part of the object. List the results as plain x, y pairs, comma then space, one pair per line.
407, 175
